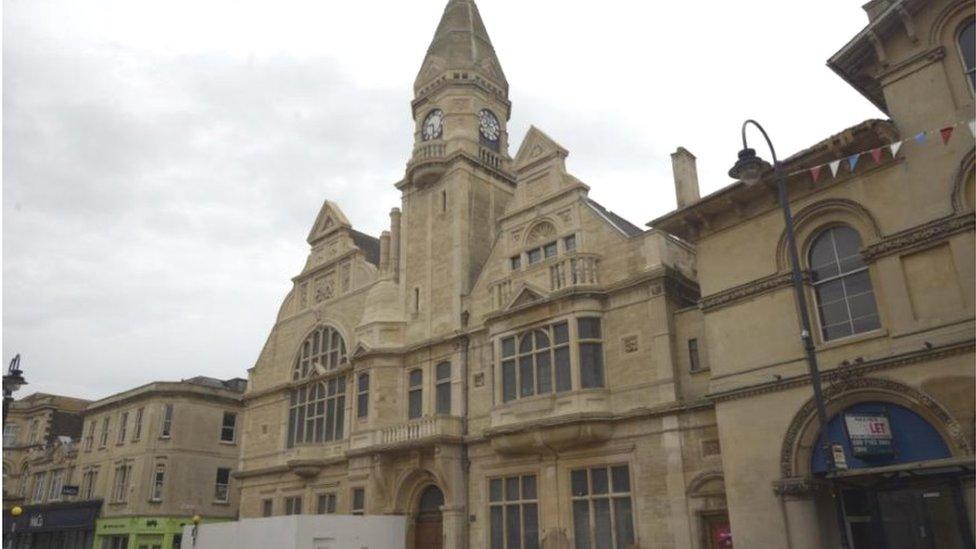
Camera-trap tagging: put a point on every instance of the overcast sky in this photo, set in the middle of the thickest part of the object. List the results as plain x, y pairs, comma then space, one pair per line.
162, 161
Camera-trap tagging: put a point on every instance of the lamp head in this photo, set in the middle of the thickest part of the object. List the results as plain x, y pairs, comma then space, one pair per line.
16, 511
749, 168
196, 519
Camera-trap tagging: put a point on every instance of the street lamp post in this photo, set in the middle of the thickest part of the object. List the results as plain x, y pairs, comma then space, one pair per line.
749, 169
12, 381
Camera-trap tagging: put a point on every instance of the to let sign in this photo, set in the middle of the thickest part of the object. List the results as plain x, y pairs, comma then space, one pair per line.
870, 435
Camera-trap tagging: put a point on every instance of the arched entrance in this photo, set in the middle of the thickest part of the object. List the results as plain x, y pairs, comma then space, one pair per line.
428, 531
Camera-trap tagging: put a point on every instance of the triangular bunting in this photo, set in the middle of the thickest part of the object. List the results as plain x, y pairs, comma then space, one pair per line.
946, 134
834, 166
852, 160
894, 148
876, 155
920, 137
972, 127
815, 172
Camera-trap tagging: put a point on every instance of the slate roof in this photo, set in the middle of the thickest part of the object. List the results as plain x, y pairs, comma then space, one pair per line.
622, 224
368, 244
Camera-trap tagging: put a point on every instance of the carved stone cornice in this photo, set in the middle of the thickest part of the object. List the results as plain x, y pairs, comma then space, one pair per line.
747, 290
920, 236
798, 487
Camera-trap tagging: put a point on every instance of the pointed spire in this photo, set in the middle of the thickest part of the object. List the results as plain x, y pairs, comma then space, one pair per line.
461, 44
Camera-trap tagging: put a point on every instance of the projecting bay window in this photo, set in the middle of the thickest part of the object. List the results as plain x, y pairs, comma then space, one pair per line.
362, 396
602, 511
513, 508
539, 361
318, 412
415, 395
443, 388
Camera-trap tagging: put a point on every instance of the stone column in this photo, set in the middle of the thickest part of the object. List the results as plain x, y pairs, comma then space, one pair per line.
454, 526
395, 243
798, 498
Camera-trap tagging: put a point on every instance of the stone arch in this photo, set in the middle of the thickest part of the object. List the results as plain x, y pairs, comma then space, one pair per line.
707, 484
410, 487
323, 323
946, 25
810, 220
963, 192
540, 232
800, 439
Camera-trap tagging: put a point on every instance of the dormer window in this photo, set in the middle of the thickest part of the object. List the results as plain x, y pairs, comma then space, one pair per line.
967, 50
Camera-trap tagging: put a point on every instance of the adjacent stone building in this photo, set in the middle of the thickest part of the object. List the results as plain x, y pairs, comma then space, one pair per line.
508, 365
887, 250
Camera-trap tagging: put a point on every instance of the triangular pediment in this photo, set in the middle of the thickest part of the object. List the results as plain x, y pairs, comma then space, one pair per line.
526, 295
361, 349
538, 147
329, 220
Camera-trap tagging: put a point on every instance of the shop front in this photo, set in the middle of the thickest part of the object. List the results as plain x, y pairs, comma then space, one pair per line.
142, 532
900, 485
52, 526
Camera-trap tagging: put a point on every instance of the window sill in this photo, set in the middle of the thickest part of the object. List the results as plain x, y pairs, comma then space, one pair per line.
221, 503
700, 371
165, 437
155, 501
852, 339
228, 442
117, 503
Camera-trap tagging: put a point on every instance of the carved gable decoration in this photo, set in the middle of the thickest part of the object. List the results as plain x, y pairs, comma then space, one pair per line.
526, 295
538, 147
540, 232
329, 220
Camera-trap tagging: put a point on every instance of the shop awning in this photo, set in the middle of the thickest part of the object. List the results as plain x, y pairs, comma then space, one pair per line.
935, 467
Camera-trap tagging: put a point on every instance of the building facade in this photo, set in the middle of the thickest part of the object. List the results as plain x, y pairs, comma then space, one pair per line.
507, 366
886, 246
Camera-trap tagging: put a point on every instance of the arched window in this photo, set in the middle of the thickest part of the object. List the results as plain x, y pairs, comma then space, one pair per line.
323, 350
538, 365
842, 285
967, 50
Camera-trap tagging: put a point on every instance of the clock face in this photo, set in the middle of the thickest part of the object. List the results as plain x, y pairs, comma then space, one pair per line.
433, 125
490, 128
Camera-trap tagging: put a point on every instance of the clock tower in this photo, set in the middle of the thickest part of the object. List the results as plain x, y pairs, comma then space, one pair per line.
457, 181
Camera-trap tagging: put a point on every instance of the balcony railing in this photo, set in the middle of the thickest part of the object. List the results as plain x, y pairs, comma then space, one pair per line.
427, 151
489, 158
579, 270
408, 433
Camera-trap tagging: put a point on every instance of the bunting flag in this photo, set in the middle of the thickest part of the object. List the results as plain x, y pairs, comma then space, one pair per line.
852, 160
876, 155
894, 148
920, 137
834, 166
972, 127
815, 172
946, 134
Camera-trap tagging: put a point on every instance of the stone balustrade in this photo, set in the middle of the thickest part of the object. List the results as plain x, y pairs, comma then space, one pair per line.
577, 270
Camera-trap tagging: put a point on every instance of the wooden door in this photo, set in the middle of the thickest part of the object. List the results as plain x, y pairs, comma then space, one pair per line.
429, 532
718, 531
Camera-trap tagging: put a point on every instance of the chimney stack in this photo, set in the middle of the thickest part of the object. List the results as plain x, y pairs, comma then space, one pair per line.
685, 177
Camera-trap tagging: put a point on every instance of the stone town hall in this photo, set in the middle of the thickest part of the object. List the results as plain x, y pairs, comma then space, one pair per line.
500, 365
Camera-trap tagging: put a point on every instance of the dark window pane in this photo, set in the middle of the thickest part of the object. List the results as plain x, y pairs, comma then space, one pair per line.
508, 346
543, 363
525, 345
340, 416
599, 481
570, 242
601, 524
579, 486
624, 521
830, 292
866, 323
508, 380
444, 370
847, 241
513, 526
621, 478
550, 249
530, 515
416, 378
834, 313
495, 489
444, 398
528, 487
857, 283
497, 528
516, 263
512, 489
415, 404
563, 381
535, 255
591, 365
526, 376
560, 333
851, 263
693, 359
364, 382
362, 405
581, 524
837, 331
863, 305
541, 340
589, 328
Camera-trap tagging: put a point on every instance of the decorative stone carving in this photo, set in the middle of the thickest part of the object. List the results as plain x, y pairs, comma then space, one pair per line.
344, 276
541, 231
798, 487
303, 294
631, 344
919, 236
745, 291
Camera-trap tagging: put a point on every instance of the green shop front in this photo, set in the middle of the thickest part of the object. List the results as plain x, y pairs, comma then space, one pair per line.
143, 532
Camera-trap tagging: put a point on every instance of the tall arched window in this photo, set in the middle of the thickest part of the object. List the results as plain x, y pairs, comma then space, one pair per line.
317, 409
842, 285
967, 50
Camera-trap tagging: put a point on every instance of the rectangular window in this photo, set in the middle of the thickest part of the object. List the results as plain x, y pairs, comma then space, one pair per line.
293, 505
443, 388
602, 514
569, 243
513, 509
326, 504
539, 365
90, 437
123, 424
57, 481
167, 429
39, 486
693, 355
416, 300
159, 477
549, 250
358, 501
591, 353
103, 438
10, 434
88, 484
115, 542
137, 428
228, 426
318, 412
267, 508
362, 396
415, 397
516, 262
535, 255
222, 486
121, 491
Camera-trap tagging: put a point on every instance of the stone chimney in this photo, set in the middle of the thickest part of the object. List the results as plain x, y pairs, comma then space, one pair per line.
395, 243
385, 252
685, 177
